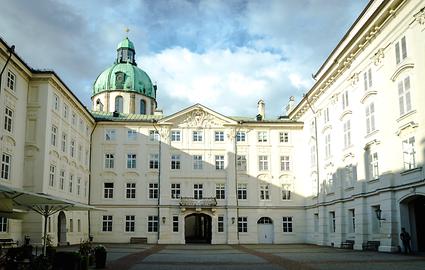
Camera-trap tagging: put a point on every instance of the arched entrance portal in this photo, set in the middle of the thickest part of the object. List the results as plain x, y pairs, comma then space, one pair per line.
197, 228
412, 218
265, 230
61, 228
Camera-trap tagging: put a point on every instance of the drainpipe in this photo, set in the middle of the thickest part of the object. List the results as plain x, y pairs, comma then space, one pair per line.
236, 176
88, 198
159, 177
11, 51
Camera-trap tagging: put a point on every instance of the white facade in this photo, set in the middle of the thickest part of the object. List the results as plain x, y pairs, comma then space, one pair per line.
353, 148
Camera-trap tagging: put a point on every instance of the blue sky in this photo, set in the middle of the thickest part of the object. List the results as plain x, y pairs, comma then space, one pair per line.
224, 54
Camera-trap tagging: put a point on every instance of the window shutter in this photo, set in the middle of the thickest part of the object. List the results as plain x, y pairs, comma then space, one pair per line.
397, 53
370, 77
403, 47
407, 94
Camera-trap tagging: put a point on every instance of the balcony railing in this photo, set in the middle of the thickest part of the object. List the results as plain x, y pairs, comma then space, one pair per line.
198, 203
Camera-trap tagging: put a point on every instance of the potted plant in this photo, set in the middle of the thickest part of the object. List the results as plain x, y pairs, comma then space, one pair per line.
100, 256
85, 252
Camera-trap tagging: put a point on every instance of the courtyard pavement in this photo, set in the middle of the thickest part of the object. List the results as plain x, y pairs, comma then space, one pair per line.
250, 257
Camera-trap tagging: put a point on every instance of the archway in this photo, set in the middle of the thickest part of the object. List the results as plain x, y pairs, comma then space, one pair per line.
61, 228
413, 219
198, 228
265, 230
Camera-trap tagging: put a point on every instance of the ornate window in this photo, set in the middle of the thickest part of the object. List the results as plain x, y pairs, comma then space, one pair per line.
119, 104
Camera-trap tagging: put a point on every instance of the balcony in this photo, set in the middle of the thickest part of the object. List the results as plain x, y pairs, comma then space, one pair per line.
191, 202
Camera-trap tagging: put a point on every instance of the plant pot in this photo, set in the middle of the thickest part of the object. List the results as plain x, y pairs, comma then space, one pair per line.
84, 263
100, 259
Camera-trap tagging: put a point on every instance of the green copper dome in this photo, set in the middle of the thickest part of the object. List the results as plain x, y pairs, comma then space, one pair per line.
124, 74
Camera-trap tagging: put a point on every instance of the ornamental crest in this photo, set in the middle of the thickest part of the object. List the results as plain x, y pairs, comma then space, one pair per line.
201, 119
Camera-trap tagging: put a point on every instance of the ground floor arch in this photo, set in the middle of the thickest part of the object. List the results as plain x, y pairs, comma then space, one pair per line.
265, 230
412, 218
198, 228
61, 228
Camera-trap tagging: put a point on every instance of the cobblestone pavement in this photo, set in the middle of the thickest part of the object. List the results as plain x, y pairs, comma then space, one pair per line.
250, 257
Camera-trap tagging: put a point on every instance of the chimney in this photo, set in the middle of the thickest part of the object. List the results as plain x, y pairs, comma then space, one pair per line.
261, 106
290, 106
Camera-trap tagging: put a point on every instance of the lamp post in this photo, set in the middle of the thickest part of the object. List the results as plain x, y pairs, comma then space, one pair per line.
10, 50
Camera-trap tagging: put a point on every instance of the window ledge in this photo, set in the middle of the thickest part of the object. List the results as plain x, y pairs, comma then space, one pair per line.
406, 172
406, 115
349, 188
371, 181
370, 134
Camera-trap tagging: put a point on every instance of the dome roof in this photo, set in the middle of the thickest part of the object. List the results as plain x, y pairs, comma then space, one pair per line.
125, 77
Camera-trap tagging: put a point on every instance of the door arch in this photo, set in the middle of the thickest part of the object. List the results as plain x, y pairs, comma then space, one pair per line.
61, 228
197, 228
265, 230
413, 219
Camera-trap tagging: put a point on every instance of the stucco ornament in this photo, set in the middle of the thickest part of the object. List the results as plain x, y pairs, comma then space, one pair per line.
201, 119
378, 57
420, 16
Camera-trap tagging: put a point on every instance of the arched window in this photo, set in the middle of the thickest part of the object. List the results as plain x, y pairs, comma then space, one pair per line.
142, 107
265, 220
99, 105
119, 104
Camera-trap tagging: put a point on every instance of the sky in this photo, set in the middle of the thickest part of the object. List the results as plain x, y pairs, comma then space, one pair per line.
224, 54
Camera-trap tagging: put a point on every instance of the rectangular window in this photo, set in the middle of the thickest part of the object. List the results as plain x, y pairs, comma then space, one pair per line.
367, 79
285, 163
286, 192
241, 136
219, 136
400, 50
64, 141
219, 162
85, 188
263, 163
78, 186
152, 223
175, 136
264, 192
71, 225
220, 191
328, 145
52, 175
175, 223
153, 161
79, 225
220, 224
5, 166
242, 191
8, 119
287, 224
55, 102
130, 223
197, 162
131, 161
107, 224
262, 136
74, 119
108, 190
197, 136
345, 102
153, 190
71, 182
283, 137
11, 80
131, 135
62, 179
3, 224
352, 220
349, 175
316, 222
347, 134
49, 224
373, 166
332, 222
54, 135
109, 161
72, 148
197, 191
330, 187
242, 224
409, 153
404, 98
80, 152
65, 111
241, 163
175, 191
130, 191
153, 135
110, 134
326, 115
175, 162
313, 155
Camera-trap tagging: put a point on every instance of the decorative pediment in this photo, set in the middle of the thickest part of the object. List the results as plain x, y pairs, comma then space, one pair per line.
198, 116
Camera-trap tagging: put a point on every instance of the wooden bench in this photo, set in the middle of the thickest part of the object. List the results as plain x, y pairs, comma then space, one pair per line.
348, 244
371, 245
8, 242
138, 240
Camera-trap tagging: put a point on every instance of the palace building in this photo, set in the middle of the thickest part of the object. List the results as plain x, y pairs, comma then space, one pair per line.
344, 165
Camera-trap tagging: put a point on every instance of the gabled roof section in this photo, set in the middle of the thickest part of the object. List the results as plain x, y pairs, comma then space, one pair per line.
198, 115
120, 117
